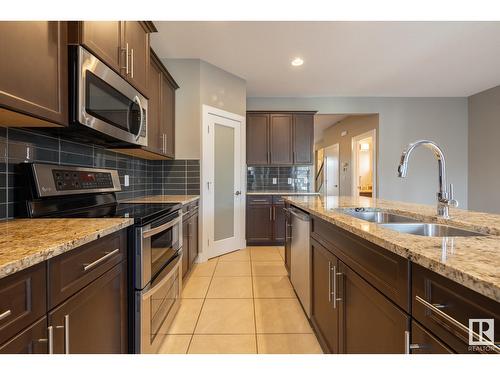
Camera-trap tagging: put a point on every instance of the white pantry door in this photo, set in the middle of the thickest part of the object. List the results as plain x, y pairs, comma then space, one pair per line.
223, 190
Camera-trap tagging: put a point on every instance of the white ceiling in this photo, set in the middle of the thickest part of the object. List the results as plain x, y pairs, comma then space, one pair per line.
323, 122
344, 58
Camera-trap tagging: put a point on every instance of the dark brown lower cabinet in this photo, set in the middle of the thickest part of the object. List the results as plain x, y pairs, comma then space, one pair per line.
324, 311
94, 320
279, 223
368, 321
33, 340
190, 246
259, 227
423, 342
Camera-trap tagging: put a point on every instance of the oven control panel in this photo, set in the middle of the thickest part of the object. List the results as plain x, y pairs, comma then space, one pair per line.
81, 180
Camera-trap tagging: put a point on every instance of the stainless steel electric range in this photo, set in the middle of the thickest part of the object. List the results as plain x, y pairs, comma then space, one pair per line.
155, 239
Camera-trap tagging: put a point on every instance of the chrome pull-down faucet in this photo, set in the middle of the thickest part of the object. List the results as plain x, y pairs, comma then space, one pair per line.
445, 198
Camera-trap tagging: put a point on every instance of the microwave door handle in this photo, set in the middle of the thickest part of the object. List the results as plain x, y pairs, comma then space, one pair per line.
138, 101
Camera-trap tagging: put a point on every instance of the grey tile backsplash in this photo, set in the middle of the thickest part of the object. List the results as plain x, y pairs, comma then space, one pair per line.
293, 178
146, 177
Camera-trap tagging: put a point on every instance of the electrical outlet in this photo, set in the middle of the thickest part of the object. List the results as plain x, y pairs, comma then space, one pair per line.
289, 181
126, 181
275, 180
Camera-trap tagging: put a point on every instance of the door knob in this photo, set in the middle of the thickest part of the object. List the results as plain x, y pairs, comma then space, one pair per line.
237, 193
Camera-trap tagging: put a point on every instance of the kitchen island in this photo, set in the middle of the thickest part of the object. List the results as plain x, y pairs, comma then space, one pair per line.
373, 287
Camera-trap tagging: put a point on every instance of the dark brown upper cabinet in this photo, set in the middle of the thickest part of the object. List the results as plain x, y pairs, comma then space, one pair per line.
104, 39
33, 74
161, 114
280, 138
303, 138
258, 139
281, 130
123, 45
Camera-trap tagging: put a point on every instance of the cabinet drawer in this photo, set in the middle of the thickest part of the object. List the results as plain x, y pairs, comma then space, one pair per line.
444, 307
22, 300
253, 200
424, 342
33, 340
70, 272
386, 271
278, 199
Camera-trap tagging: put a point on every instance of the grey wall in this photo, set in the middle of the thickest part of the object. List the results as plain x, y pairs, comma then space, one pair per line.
201, 83
402, 120
484, 151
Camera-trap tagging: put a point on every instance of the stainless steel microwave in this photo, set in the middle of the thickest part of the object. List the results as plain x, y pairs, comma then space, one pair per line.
104, 103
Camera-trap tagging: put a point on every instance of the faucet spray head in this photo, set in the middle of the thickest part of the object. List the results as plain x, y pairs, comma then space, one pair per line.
403, 166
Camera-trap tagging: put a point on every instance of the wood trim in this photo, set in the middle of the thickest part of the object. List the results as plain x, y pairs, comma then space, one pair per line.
142, 153
281, 112
13, 119
149, 26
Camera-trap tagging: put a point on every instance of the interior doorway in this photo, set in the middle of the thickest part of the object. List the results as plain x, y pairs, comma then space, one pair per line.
223, 182
331, 163
364, 163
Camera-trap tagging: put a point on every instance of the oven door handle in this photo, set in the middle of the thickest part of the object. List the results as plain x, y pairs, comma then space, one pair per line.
138, 101
170, 224
166, 278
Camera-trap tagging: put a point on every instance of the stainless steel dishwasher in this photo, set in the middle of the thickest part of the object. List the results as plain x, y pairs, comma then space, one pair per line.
300, 268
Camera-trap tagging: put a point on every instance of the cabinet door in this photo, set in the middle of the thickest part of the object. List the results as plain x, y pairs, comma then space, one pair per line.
137, 38
167, 115
257, 139
94, 320
185, 247
303, 139
193, 239
279, 223
369, 322
324, 311
259, 224
155, 136
34, 72
281, 139
288, 241
422, 342
33, 340
104, 39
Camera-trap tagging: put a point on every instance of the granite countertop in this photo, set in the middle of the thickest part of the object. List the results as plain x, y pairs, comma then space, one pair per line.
471, 261
26, 242
184, 199
277, 192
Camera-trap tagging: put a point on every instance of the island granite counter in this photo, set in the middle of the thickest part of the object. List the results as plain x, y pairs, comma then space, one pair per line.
27, 242
471, 261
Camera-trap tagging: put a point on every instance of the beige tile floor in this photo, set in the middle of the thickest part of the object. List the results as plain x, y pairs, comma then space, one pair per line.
239, 303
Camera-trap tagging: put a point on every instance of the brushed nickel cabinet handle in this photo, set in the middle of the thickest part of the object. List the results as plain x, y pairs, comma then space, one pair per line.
436, 309
329, 281
86, 267
5, 314
66, 333
259, 200
50, 331
132, 62
407, 342
334, 269
126, 58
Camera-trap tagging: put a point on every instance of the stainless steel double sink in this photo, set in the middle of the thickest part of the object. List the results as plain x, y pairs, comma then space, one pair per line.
408, 225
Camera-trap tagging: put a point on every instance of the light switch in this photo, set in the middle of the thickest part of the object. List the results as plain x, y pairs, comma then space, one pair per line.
126, 181
289, 181
275, 180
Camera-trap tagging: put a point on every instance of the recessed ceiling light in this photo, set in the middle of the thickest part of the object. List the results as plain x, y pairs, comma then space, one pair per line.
297, 61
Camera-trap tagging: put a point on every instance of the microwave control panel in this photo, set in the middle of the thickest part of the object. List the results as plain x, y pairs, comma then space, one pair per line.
81, 180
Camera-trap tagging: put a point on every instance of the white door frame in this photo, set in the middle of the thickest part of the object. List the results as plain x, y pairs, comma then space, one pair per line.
206, 217
354, 161
325, 166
